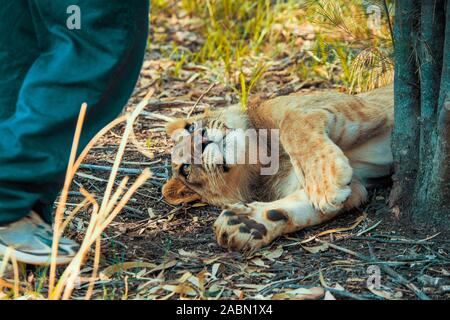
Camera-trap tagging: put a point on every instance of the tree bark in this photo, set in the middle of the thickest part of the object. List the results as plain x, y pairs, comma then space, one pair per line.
405, 133
421, 136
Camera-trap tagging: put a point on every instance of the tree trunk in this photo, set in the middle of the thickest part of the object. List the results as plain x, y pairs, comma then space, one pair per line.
421, 136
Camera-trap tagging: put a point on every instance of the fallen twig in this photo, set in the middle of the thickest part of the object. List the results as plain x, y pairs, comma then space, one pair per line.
106, 168
400, 279
406, 242
369, 228
347, 294
200, 99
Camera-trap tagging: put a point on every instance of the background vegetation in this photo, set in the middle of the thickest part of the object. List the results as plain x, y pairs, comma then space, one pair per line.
211, 53
346, 43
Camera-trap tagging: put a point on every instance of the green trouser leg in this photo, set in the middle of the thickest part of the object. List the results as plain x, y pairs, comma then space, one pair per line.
47, 70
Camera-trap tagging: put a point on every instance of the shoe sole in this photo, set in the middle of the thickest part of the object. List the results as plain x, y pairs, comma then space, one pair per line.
38, 260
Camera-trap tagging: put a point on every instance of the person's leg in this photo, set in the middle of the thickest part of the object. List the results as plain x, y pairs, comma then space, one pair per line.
98, 64
16, 57
18, 51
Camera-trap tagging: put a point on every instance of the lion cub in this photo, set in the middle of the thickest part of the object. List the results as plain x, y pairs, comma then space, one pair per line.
323, 147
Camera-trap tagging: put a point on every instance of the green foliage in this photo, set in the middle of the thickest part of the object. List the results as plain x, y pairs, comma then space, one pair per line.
238, 40
363, 50
246, 88
234, 31
232, 28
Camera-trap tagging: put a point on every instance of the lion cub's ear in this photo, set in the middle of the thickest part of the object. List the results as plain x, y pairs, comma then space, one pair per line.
175, 192
175, 125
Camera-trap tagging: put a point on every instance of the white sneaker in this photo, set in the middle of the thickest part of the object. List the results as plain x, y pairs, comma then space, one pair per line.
31, 242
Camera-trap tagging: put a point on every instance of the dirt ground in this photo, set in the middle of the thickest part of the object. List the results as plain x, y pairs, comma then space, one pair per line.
185, 260
157, 251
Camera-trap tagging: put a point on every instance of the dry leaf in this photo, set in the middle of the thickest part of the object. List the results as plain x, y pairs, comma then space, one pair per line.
151, 214
258, 262
108, 272
212, 260
382, 293
239, 294
322, 279
275, 254
185, 277
164, 266
215, 269
316, 249
181, 289
215, 288
252, 287
300, 294
198, 205
189, 254
329, 296
194, 280
201, 281
356, 280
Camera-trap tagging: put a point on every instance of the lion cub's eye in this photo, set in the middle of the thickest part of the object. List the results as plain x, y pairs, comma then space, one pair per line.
185, 170
191, 127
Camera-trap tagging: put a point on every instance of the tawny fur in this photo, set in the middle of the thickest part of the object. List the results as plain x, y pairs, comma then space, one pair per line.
331, 143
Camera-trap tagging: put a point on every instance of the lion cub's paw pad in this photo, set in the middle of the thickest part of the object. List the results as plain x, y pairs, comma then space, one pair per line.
239, 232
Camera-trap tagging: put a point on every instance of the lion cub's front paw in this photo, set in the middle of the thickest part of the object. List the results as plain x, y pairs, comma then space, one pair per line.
328, 192
244, 228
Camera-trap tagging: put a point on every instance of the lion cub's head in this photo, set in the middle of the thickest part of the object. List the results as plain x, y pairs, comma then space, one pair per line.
204, 165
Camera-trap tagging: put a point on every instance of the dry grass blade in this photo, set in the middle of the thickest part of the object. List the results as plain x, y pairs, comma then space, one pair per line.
335, 230
97, 137
95, 268
101, 216
130, 121
5, 261
117, 194
95, 208
3, 267
98, 224
3, 283
200, 99
73, 270
72, 215
139, 148
62, 205
371, 69
16, 277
